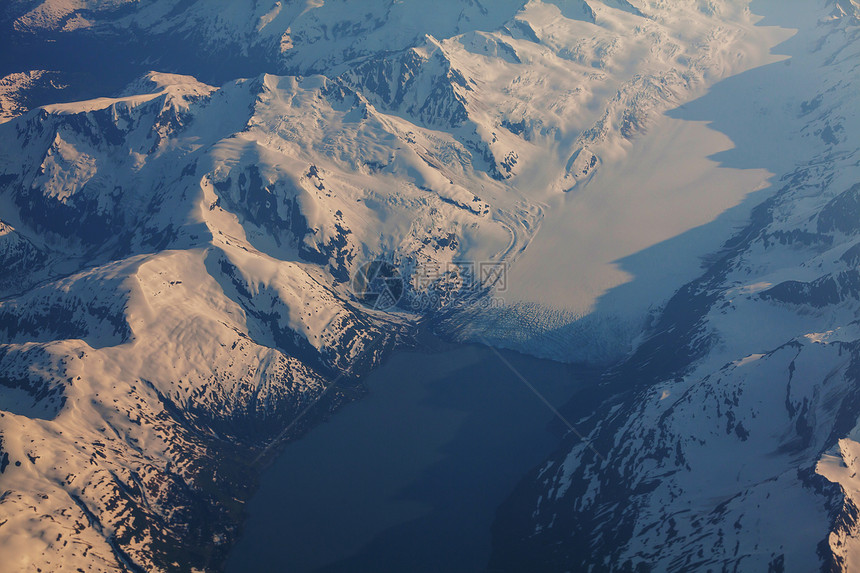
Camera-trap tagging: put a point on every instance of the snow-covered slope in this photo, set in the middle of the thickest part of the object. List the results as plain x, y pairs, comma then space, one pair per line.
179, 254
512, 112
727, 441
160, 348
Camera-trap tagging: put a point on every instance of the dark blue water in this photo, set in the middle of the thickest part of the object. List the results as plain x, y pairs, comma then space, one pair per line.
407, 479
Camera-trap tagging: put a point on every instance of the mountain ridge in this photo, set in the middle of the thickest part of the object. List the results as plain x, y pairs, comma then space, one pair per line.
725, 444
183, 251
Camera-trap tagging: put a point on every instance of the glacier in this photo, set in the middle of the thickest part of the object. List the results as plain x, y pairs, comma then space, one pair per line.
670, 186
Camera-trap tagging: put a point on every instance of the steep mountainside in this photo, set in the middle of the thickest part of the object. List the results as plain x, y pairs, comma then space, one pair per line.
177, 253
728, 440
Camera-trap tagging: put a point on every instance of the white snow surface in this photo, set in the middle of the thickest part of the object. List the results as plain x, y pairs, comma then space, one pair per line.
197, 241
553, 113
745, 455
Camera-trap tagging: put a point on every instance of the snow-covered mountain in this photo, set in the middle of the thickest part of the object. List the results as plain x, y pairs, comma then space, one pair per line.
728, 439
177, 255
